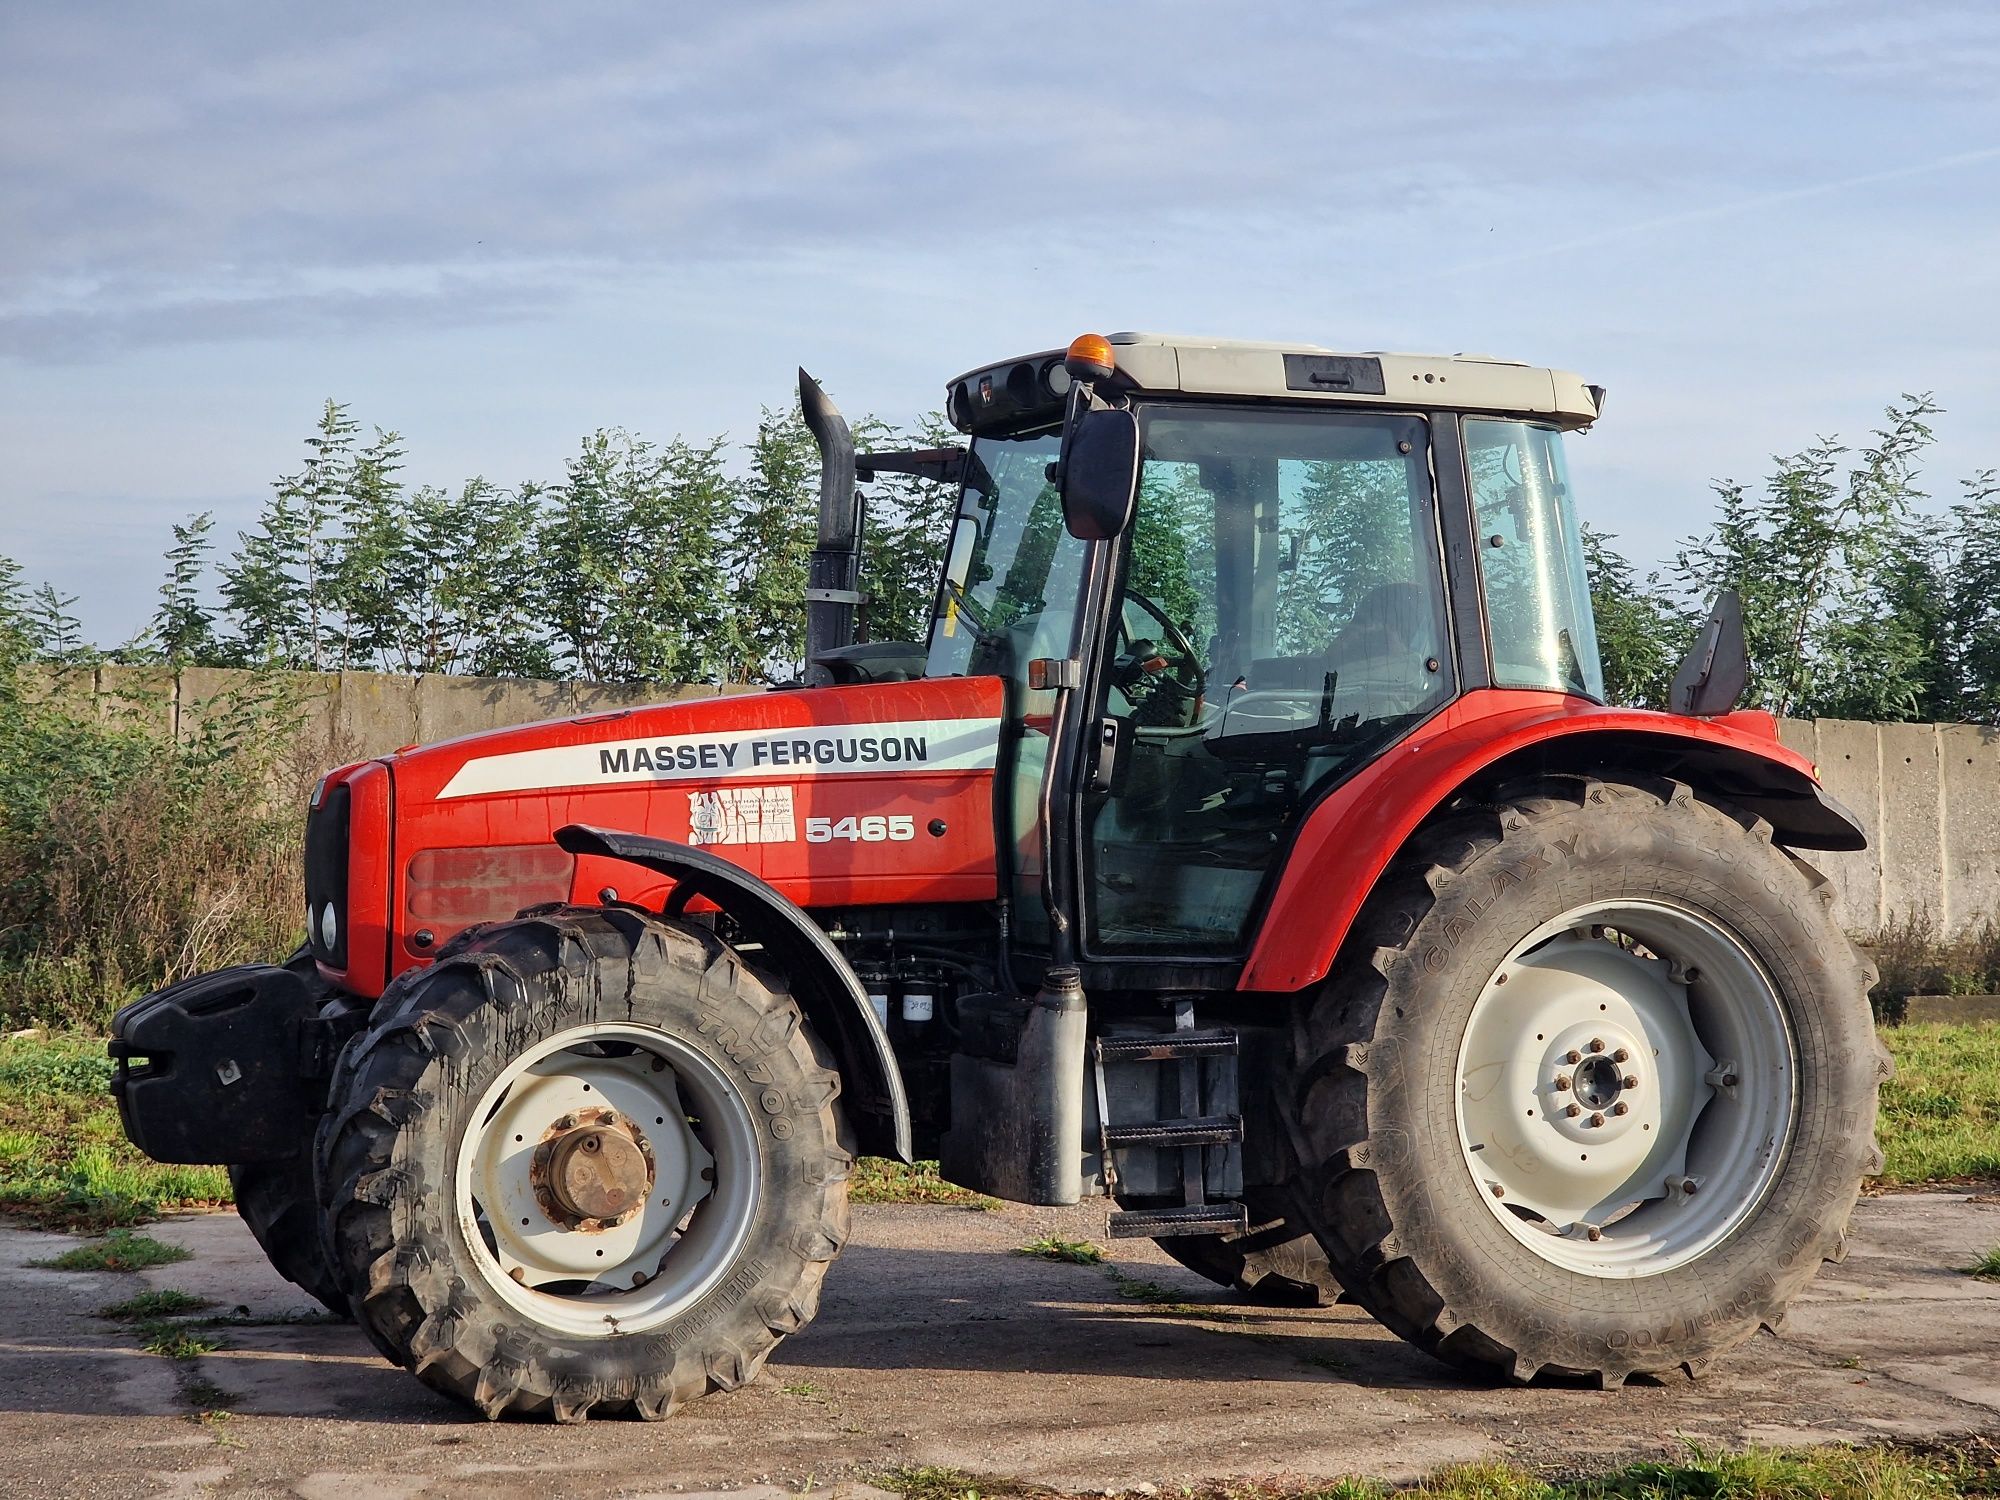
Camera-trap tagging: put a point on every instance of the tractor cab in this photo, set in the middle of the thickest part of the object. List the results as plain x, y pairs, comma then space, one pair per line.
1219, 578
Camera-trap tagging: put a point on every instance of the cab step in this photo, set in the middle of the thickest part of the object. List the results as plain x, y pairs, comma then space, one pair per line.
1212, 1130
1217, 1041
1164, 1223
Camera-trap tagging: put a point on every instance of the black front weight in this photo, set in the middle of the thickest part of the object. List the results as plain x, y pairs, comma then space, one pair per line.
218, 1068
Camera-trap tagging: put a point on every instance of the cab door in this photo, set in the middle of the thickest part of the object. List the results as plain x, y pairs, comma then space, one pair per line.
1281, 622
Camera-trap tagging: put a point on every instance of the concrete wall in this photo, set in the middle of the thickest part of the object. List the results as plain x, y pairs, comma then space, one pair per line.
355, 713
1929, 795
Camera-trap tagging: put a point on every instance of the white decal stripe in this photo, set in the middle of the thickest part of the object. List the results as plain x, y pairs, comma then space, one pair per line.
777, 754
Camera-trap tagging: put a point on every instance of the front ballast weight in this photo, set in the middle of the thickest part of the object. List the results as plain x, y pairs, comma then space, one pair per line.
227, 1068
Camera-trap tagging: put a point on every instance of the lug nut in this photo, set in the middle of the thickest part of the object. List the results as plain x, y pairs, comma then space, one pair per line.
1597, 1044
1621, 1108
1593, 1234
1499, 1191
1620, 1055
1597, 1120
1562, 1083
1729, 1080
1630, 1081
1688, 1185
1572, 1057
1574, 1110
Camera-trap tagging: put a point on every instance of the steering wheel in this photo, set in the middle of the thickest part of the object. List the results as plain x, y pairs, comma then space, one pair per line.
1161, 677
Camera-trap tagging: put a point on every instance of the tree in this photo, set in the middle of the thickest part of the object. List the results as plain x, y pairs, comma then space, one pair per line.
1971, 624
1831, 572
1638, 629
769, 547
183, 628
629, 561
279, 589
906, 526
57, 634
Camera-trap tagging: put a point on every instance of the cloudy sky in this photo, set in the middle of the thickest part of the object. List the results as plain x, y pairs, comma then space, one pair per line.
497, 227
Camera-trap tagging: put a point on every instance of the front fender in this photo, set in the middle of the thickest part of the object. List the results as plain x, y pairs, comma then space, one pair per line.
1349, 838
794, 947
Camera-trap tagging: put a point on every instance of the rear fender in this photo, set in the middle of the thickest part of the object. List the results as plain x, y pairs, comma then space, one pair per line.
796, 950
1351, 837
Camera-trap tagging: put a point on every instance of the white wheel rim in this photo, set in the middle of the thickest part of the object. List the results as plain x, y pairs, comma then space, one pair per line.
1707, 1081
603, 1277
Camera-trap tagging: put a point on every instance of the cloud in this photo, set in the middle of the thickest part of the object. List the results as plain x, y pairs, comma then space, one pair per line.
153, 160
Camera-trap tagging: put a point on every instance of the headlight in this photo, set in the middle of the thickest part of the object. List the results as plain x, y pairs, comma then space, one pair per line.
329, 927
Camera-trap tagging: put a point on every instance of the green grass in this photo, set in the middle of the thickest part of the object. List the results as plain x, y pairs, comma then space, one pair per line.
879, 1180
65, 1163
1132, 1289
64, 1160
150, 1305
1943, 1473
1940, 1116
1987, 1266
170, 1338
120, 1250
1075, 1252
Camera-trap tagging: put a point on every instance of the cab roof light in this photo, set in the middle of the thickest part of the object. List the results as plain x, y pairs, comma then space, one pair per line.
1090, 357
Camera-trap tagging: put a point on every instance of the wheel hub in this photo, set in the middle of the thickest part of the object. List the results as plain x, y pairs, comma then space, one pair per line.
592, 1174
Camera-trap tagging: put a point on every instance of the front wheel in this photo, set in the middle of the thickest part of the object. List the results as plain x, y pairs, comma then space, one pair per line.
588, 1161
1592, 1091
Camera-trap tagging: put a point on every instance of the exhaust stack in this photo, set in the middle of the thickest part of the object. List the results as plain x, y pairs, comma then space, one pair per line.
831, 596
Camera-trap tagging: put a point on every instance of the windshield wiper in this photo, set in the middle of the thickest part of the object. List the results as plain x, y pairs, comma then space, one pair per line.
982, 629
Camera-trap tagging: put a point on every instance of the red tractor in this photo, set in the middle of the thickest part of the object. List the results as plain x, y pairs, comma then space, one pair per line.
1249, 844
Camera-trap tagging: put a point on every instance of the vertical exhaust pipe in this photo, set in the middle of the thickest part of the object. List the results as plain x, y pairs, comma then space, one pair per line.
831, 594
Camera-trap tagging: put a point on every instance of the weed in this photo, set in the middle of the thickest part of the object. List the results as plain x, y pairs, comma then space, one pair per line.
172, 1339
1074, 1252
936, 1482
878, 1180
1150, 1292
121, 1250
805, 1390
1987, 1266
161, 1304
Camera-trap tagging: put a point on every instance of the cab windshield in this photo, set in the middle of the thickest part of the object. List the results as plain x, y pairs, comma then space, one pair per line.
1013, 576
1531, 566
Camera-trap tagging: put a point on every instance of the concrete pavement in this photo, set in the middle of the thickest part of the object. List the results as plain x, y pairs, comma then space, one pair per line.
936, 1344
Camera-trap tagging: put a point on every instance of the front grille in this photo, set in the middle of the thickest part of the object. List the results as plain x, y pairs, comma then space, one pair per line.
326, 876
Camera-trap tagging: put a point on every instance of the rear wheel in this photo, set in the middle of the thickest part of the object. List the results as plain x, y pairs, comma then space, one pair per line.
1276, 1262
1592, 1091
589, 1161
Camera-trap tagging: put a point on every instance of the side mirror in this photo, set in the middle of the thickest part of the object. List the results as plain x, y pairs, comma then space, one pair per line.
1100, 474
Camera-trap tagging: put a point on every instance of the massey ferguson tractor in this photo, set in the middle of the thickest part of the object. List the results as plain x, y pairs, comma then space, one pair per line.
1248, 844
